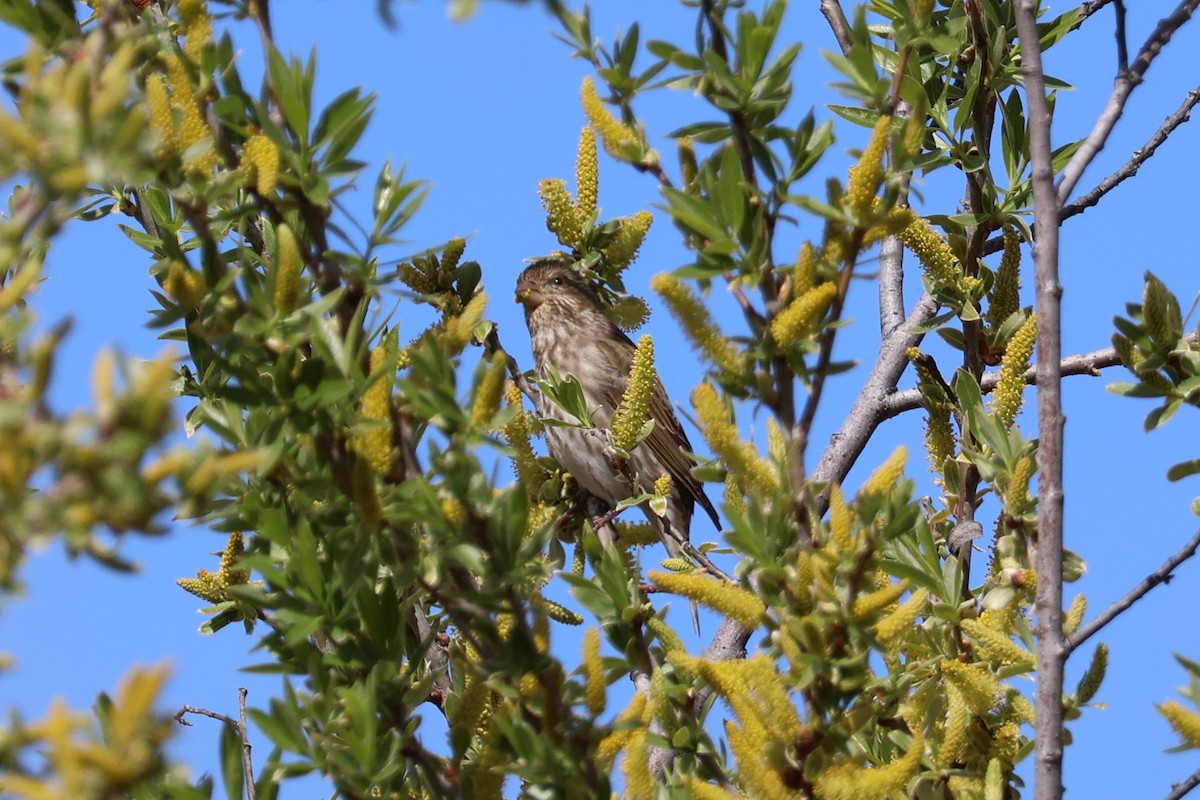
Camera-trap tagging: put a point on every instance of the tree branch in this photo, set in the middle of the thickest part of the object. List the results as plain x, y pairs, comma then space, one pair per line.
1159, 576
870, 407
1125, 84
1051, 651
1139, 157
836, 17
238, 724
1180, 789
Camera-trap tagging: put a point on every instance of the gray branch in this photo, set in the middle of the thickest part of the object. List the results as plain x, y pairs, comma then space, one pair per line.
1159, 576
1051, 651
1126, 82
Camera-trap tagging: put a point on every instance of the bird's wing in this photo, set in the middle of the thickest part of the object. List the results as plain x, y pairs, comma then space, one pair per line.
668, 441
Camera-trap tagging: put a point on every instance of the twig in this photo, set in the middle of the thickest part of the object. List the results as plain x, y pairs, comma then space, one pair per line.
247, 762
1139, 157
1077, 364
238, 724
1119, 32
836, 17
1051, 651
1159, 576
1089, 8
869, 408
1125, 84
491, 346
1180, 789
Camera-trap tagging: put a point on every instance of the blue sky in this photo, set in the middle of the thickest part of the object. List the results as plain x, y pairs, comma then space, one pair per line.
487, 108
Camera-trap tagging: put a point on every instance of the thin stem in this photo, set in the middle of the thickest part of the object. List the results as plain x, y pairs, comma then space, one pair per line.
1180, 789
1052, 651
1159, 576
1126, 82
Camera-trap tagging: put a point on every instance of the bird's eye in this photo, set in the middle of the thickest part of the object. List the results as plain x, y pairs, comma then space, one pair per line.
558, 281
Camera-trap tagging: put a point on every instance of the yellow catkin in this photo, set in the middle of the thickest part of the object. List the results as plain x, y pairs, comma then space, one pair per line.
374, 442
980, 688
850, 781
725, 598
260, 163
750, 469
799, 318
621, 142
162, 120
993, 645
958, 718
518, 434
186, 285
900, 621
1004, 297
634, 409
886, 474
839, 521
561, 218
197, 27
1006, 742
288, 264
365, 496
805, 273
460, 330
191, 127
1010, 388
939, 439
639, 780
1185, 722
867, 605
587, 177
867, 175
623, 249
750, 746
595, 686
637, 534
667, 636
936, 257
624, 727
698, 324
491, 387
1074, 616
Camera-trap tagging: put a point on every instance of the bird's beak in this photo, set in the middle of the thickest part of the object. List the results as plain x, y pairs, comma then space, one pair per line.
528, 295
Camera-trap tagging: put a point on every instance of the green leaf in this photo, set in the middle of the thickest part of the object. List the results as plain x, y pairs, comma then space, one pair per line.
1183, 469
694, 214
232, 773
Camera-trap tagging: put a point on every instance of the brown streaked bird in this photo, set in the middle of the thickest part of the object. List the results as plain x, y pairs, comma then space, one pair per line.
570, 331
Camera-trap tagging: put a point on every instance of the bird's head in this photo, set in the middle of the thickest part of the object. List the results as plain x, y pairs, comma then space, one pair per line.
552, 283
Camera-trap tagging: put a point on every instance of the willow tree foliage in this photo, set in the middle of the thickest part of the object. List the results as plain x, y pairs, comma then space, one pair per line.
873, 644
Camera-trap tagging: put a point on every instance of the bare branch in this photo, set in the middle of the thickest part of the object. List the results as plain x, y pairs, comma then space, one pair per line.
1119, 32
1089, 8
1159, 576
1139, 157
243, 731
1125, 84
836, 17
238, 724
870, 407
1180, 789
891, 285
1051, 651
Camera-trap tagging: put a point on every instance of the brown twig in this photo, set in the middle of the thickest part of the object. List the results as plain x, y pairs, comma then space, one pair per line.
1178, 790
1119, 32
1159, 576
238, 724
836, 17
869, 407
1126, 82
1139, 157
1051, 651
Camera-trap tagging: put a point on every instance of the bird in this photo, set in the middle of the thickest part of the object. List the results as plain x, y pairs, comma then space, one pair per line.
570, 332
